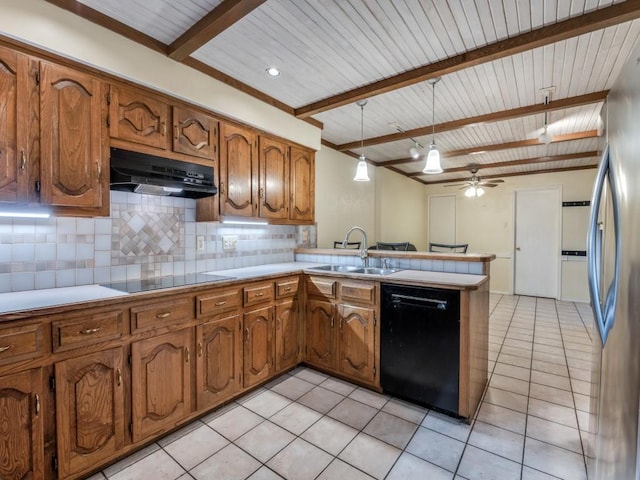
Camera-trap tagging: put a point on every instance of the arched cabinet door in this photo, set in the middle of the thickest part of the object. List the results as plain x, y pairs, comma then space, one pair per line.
258, 346
273, 193
319, 328
74, 141
238, 187
302, 186
356, 336
287, 341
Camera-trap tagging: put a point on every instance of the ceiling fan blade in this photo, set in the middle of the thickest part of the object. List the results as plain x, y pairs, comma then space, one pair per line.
457, 184
497, 180
490, 185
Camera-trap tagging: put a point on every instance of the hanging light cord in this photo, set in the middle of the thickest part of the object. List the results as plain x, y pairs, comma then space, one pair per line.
546, 102
362, 129
433, 113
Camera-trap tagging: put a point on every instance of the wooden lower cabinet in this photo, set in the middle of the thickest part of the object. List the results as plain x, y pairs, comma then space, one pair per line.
161, 382
320, 337
287, 335
21, 426
356, 342
258, 338
218, 365
90, 398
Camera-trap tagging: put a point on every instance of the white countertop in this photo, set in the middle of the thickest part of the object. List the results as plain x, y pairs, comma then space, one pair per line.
33, 299
50, 297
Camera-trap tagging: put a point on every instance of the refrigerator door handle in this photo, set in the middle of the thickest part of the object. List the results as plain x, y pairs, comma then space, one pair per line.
604, 312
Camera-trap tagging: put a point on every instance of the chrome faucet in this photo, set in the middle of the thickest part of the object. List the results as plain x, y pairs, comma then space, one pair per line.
364, 255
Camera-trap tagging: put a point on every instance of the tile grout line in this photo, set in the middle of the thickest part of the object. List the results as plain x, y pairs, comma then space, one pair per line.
526, 416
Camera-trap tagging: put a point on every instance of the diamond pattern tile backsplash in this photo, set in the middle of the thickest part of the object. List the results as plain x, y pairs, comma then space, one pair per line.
145, 236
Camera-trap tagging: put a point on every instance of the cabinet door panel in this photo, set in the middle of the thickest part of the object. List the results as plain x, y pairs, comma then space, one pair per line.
90, 399
356, 342
219, 357
194, 133
138, 118
73, 163
320, 322
274, 179
258, 334
303, 192
238, 176
21, 441
161, 382
287, 335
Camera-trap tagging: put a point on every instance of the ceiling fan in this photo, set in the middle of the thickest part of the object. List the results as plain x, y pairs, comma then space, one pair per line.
474, 187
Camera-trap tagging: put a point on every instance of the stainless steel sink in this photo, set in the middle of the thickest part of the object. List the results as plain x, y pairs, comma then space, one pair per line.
376, 271
336, 268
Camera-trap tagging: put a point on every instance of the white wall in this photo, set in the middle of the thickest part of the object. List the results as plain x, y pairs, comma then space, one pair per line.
487, 225
46, 26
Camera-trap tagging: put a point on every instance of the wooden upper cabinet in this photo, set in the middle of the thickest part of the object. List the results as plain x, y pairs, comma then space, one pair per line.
238, 171
138, 118
90, 398
195, 133
219, 360
302, 185
74, 162
21, 417
18, 93
161, 382
356, 348
258, 338
274, 179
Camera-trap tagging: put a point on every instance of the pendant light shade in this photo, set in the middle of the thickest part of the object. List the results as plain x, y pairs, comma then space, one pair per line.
362, 174
433, 159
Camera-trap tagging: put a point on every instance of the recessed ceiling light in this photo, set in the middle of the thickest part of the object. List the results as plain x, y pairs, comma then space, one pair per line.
273, 71
479, 152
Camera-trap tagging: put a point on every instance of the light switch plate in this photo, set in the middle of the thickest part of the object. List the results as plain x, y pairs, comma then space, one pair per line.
229, 242
200, 243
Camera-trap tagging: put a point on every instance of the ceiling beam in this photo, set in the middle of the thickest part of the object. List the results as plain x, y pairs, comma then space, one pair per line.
498, 146
570, 102
519, 174
515, 163
579, 25
212, 24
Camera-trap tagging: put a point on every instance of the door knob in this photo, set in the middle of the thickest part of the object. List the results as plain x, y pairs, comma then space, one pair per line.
518, 248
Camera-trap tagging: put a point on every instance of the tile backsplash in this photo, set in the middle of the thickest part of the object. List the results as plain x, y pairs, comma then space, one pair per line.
145, 236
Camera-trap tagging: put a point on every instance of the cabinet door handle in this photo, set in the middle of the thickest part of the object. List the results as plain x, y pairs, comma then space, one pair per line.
340, 322
5, 348
118, 377
332, 321
176, 131
89, 331
259, 294
199, 349
23, 160
163, 315
37, 397
219, 304
246, 334
163, 126
261, 192
187, 354
287, 289
99, 170
221, 188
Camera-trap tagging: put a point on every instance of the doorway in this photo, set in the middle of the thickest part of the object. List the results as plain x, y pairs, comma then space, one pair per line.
538, 223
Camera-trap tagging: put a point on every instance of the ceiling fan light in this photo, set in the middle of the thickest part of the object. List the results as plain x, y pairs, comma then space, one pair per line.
470, 192
362, 174
479, 191
433, 161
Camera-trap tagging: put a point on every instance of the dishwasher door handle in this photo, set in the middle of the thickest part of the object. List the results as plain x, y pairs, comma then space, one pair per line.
427, 302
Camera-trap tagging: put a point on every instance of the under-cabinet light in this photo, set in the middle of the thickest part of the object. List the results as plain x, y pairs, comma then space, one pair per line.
26, 213
244, 222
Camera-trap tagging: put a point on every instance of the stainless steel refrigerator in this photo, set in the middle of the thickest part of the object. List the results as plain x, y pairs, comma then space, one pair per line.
613, 251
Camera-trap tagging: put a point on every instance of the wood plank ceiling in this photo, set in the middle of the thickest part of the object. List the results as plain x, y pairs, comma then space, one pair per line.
494, 57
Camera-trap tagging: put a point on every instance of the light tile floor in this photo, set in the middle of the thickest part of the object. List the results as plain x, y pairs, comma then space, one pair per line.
306, 425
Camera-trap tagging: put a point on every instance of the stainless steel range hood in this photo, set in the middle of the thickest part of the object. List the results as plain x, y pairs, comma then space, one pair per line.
150, 174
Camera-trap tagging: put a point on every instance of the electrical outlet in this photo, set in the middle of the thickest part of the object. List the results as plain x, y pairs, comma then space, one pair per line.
229, 242
200, 243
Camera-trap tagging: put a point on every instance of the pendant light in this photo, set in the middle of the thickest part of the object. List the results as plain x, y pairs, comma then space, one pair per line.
433, 159
362, 175
545, 136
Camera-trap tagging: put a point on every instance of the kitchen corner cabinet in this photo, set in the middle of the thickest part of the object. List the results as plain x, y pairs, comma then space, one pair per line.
274, 179
161, 382
341, 328
90, 399
74, 159
21, 418
302, 185
238, 184
258, 341
287, 335
18, 96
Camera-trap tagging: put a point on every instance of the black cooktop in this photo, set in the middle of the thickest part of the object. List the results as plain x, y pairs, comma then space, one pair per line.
156, 283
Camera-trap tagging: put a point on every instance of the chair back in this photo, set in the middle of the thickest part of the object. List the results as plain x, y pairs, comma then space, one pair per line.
451, 248
351, 245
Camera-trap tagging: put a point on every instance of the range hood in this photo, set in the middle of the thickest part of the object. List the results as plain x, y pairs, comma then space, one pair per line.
150, 174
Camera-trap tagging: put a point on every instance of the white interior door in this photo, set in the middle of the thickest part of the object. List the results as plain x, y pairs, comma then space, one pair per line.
442, 219
537, 250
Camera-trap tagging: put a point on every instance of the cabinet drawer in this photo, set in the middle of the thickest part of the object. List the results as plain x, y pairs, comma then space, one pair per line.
20, 342
286, 287
321, 287
161, 313
86, 330
214, 303
359, 292
259, 293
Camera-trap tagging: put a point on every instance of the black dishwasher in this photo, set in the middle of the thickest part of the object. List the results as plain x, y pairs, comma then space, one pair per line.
420, 345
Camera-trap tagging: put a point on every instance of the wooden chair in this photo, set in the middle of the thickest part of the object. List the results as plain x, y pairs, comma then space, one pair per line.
350, 245
400, 246
451, 248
